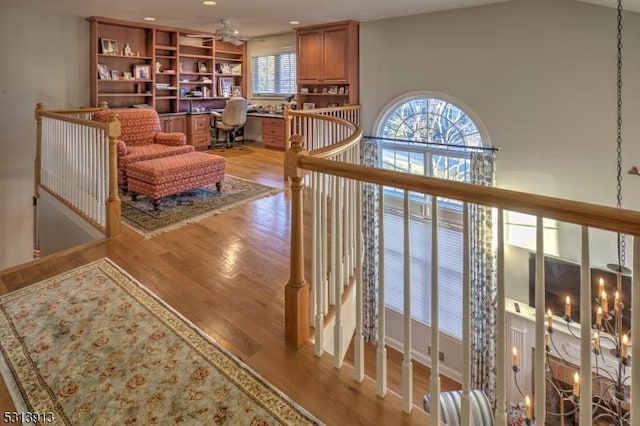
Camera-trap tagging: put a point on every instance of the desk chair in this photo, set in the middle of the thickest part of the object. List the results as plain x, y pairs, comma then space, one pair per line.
231, 121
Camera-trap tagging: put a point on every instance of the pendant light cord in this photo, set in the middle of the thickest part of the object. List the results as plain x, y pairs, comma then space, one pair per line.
621, 237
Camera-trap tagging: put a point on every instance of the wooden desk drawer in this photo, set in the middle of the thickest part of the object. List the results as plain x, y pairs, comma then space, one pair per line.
272, 131
201, 140
200, 123
273, 142
276, 122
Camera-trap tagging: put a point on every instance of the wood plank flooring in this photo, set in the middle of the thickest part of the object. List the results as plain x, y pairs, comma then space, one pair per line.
226, 274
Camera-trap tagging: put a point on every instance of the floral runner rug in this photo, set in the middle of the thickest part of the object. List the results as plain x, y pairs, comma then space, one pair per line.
93, 346
190, 206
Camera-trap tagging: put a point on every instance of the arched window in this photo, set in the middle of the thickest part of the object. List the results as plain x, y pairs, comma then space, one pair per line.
431, 119
427, 133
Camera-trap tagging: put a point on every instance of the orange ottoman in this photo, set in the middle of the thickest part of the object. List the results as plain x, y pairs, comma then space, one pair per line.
165, 176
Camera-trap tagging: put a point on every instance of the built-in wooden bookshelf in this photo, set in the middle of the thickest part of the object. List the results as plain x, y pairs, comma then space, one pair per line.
172, 70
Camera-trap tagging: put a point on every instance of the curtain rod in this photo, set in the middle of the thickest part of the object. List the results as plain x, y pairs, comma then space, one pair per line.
436, 144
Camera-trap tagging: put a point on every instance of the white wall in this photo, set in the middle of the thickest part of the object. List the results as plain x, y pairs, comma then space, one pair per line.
540, 74
45, 59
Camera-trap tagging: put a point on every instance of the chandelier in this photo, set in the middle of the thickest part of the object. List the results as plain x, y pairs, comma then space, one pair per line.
610, 341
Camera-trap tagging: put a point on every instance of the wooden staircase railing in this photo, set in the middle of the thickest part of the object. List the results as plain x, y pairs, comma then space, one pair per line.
340, 186
76, 162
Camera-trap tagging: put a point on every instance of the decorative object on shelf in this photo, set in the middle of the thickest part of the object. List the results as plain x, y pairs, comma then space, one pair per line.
308, 105
202, 67
225, 85
235, 69
332, 105
324, 90
126, 75
333, 90
103, 72
236, 91
304, 90
181, 66
341, 90
158, 67
115, 75
109, 46
315, 90
142, 72
127, 50
610, 377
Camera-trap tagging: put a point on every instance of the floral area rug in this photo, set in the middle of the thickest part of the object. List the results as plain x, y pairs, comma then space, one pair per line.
190, 206
93, 346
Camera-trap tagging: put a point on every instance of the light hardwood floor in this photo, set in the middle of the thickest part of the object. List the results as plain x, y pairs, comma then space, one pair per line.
227, 274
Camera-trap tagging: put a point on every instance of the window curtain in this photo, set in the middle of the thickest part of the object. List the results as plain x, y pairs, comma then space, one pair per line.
370, 246
483, 282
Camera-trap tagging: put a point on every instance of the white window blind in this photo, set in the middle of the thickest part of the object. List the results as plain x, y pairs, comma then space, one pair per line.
274, 74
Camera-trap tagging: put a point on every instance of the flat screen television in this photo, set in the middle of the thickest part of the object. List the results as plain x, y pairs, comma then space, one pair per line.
562, 279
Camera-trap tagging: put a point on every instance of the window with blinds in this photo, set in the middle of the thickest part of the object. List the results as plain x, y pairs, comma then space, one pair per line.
448, 130
274, 75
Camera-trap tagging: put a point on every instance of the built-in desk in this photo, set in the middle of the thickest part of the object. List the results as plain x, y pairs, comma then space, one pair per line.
271, 129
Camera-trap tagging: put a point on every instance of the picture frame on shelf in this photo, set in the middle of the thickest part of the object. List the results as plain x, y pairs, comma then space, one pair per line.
341, 90
236, 91
225, 86
115, 75
308, 105
333, 90
126, 75
332, 105
142, 72
202, 67
103, 72
108, 46
235, 69
324, 90
224, 68
304, 90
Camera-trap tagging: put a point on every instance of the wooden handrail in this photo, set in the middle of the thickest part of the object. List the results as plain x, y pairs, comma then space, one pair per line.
593, 215
80, 121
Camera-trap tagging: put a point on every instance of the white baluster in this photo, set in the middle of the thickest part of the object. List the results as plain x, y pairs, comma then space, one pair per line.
635, 340
407, 367
435, 321
501, 330
381, 352
586, 390
540, 379
359, 339
337, 262
466, 317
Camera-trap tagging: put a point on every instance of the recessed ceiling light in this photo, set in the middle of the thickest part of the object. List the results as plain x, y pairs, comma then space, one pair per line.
294, 22
149, 18
208, 3
236, 32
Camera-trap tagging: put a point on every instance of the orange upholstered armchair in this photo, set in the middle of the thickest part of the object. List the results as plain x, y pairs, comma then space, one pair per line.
141, 138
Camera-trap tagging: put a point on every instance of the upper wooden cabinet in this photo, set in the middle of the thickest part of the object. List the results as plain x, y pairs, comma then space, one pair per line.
328, 62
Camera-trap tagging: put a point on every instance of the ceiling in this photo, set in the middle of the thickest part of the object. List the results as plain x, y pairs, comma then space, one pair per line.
254, 18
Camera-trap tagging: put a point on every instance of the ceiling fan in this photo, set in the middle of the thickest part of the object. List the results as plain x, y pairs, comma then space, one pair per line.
225, 32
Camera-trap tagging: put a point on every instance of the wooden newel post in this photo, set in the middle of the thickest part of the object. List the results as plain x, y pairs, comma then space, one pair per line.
296, 294
37, 170
114, 208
